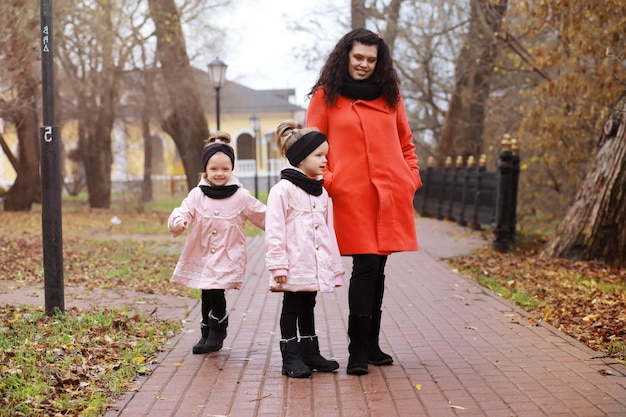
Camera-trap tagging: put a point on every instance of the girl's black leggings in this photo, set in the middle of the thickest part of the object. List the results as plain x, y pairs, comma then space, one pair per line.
297, 314
367, 284
213, 300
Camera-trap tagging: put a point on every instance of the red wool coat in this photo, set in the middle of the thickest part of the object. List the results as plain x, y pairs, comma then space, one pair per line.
372, 173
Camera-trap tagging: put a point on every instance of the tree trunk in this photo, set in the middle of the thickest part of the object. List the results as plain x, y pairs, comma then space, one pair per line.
358, 13
25, 189
97, 120
185, 121
97, 156
595, 224
147, 110
464, 126
146, 186
393, 17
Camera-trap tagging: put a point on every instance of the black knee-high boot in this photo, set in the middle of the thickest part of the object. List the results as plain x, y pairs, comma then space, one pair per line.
358, 348
377, 356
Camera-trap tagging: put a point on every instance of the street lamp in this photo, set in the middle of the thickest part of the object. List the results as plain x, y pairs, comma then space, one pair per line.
255, 124
268, 139
217, 72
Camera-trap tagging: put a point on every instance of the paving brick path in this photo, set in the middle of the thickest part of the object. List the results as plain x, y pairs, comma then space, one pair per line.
458, 349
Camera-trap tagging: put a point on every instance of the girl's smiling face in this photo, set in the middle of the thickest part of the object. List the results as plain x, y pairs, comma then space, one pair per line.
218, 169
315, 162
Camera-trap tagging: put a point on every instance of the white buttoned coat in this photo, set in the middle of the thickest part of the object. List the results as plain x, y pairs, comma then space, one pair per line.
301, 241
214, 255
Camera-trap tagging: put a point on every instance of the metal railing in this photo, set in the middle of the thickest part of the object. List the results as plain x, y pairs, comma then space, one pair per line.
465, 192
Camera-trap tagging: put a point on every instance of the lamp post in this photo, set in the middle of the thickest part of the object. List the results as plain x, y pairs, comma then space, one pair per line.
217, 72
255, 123
268, 139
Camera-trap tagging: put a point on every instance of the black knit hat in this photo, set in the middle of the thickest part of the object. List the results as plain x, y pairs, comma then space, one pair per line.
302, 147
214, 148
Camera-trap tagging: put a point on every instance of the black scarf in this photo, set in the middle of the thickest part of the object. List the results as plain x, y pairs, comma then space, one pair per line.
365, 89
311, 186
219, 191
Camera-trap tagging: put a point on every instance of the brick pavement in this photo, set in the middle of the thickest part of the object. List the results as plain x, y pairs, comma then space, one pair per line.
459, 350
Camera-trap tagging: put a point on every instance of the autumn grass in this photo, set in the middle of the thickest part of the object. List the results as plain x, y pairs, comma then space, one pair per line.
73, 363
76, 363
586, 300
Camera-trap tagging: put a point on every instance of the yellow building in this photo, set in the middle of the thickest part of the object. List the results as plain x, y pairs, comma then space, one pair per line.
258, 161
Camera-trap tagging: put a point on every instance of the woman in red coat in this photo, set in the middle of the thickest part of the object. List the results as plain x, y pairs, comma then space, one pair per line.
371, 176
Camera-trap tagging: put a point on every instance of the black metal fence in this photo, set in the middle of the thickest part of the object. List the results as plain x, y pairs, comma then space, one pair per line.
465, 192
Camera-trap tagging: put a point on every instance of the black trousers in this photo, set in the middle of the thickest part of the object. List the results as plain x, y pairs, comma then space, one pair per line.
297, 314
214, 300
367, 284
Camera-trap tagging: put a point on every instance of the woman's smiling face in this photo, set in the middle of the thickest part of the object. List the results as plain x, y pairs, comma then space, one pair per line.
362, 61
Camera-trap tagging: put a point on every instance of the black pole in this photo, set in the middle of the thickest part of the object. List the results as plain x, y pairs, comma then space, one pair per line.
453, 191
50, 173
465, 190
503, 235
444, 186
515, 161
478, 191
217, 107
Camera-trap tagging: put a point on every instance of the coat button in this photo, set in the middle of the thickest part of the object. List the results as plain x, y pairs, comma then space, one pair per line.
214, 232
313, 205
212, 250
216, 212
317, 247
317, 226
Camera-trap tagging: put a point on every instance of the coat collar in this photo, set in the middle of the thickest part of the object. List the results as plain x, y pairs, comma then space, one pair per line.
379, 104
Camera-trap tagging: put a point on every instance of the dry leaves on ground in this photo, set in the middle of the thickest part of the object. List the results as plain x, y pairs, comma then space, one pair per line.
586, 300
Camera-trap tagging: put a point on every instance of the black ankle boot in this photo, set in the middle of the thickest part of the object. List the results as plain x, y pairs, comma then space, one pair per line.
217, 332
312, 357
293, 365
200, 346
377, 356
358, 331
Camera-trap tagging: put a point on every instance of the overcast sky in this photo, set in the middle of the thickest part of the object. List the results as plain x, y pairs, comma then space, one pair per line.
260, 50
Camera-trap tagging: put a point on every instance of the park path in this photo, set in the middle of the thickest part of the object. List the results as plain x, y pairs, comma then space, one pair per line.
459, 350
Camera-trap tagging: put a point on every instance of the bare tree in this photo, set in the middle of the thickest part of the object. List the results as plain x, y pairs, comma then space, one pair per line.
464, 126
93, 48
18, 52
185, 120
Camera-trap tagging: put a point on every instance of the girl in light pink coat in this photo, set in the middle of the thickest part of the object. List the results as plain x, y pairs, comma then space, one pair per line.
302, 253
214, 257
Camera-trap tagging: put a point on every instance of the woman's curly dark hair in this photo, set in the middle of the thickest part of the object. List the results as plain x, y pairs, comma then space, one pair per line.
336, 67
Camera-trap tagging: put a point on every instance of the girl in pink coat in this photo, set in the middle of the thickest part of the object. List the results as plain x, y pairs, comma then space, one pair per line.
214, 256
302, 253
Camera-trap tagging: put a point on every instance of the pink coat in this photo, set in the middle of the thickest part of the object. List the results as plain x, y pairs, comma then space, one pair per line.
214, 256
372, 173
300, 240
